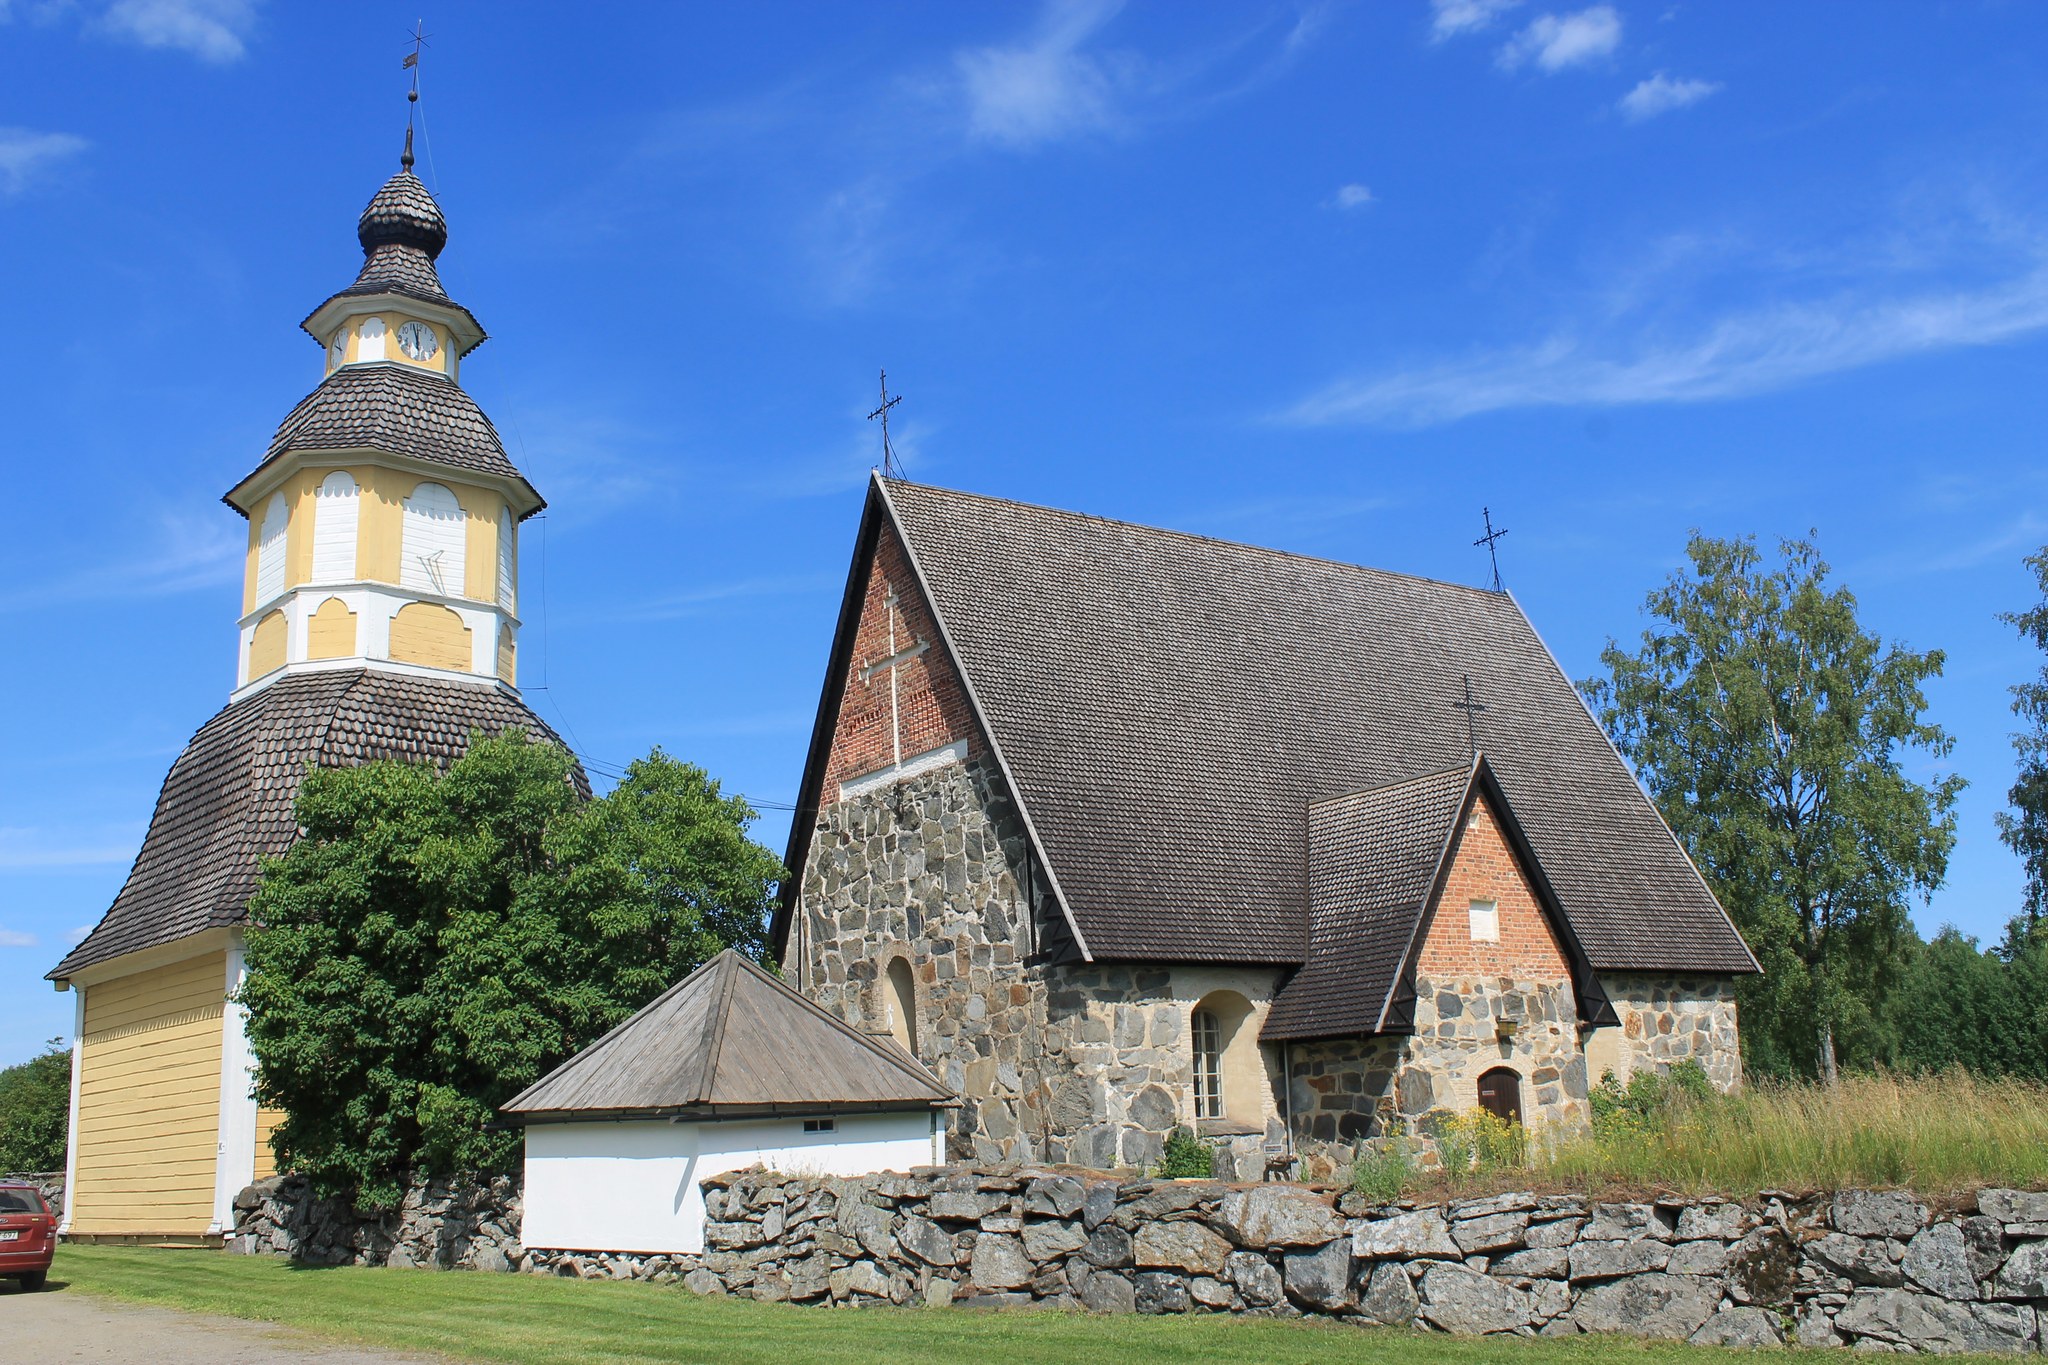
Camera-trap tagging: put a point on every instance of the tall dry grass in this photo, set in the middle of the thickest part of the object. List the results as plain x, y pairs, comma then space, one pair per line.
1936, 1134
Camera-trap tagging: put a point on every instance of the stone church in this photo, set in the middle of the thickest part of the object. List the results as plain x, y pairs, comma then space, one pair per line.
379, 616
1119, 829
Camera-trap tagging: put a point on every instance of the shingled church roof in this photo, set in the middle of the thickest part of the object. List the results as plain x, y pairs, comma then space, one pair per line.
1168, 708
729, 1039
228, 801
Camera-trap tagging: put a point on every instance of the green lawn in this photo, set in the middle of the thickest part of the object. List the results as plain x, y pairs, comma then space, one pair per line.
527, 1318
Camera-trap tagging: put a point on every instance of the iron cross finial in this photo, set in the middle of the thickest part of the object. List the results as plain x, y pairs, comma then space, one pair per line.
890, 469
1488, 540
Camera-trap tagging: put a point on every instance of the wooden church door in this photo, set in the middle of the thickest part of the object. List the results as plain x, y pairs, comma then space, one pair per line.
1500, 1094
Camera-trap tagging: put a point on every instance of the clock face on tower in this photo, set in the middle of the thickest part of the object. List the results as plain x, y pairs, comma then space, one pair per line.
418, 341
340, 346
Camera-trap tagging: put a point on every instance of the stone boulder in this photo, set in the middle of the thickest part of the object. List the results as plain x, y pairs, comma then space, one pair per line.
999, 1262
2025, 1275
1049, 1239
1491, 1233
1878, 1213
1256, 1278
1938, 1260
1654, 1305
1320, 1278
1389, 1297
1740, 1326
1106, 1291
1463, 1301
1612, 1260
1278, 1216
926, 1240
1181, 1246
1421, 1235
1862, 1261
1922, 1322
2013, 1206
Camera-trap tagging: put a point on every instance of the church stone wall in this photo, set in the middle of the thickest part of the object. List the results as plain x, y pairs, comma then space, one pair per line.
1667, 1019
1465, 1027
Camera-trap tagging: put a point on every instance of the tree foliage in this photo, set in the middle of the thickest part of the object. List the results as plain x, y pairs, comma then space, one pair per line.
1771, 730
1982, 1009
2025, 827
35, 1111
437, 941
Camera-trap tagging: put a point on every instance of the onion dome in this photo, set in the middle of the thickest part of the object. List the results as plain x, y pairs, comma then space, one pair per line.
403, 214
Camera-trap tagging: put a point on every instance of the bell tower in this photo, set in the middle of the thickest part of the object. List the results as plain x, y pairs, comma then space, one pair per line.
383, 520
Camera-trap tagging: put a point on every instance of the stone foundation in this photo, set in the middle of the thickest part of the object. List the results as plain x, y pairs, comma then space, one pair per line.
1666, 1020
467, 1222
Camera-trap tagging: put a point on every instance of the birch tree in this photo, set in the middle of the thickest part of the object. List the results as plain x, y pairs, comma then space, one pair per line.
1781, 741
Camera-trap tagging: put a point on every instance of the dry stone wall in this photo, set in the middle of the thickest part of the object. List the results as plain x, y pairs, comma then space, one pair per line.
1876, 1270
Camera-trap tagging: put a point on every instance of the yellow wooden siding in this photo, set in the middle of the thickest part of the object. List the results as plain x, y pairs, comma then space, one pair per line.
266, 1121
266, 645
149, 1101
424, 633
331, 633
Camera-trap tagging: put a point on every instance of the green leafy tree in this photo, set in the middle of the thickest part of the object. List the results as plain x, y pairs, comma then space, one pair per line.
1770, 729
435, 942
35, 1111
1985, 1010
2025, 827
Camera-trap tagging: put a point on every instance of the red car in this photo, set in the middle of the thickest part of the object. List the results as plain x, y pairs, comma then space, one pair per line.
28, 1235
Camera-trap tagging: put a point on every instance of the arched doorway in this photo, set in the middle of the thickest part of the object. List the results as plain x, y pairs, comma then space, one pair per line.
1500, 1094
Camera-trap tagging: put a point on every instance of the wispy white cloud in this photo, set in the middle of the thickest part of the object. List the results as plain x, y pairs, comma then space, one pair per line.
1352, 196
190, 551
1660, 95
212, 30
1742, 353
1557, 42
1047, 86
25, 154
22, 847
14, 938
1454, 18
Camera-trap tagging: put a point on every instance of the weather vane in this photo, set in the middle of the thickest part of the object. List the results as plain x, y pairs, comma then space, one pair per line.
412, 95
890, 469
1488, 540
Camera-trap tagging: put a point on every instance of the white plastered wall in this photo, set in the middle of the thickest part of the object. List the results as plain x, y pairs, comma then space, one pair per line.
633, 1185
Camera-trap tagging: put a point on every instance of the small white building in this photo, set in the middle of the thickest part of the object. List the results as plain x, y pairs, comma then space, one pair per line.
727, 1070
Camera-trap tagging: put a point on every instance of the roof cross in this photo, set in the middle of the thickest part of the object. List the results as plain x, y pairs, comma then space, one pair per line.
1487, 540
412, 95
1471, 709
890, 469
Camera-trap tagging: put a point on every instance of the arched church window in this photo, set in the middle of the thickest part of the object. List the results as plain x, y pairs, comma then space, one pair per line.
334, 529
433, 541
1500, 1094
1208, 1039
903, 1005
508, 556
370, 340
270, 549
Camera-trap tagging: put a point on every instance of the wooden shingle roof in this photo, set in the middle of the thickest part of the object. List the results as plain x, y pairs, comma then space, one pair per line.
1168, 707
729, 1039
228, 801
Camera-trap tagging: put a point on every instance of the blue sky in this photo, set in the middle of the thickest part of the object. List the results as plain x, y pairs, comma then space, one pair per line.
1323, 276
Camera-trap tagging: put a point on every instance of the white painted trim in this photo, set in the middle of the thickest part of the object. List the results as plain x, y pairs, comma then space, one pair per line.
956, 752
71, 1133
235, 1157
355, 594
980, 713
375, 665
268, 476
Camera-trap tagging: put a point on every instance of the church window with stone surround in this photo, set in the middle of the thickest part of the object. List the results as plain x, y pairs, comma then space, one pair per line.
1486, 921
433, 543
334, 529
1208, 1035
270, 549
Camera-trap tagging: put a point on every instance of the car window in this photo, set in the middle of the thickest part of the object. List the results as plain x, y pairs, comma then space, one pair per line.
21, 1201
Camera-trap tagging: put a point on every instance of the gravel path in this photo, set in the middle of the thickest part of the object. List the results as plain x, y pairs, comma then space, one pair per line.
59, 1324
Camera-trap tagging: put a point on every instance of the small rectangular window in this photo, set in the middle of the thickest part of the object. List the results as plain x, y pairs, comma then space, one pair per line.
1485, 922
820, 1125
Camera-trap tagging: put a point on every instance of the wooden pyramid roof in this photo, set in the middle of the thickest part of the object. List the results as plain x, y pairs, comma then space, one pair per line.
729, 1040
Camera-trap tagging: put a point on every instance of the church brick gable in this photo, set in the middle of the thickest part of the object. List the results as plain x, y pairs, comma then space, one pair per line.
928, 708
1484, 868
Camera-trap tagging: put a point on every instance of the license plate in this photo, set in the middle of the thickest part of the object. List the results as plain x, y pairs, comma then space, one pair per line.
10, 1235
